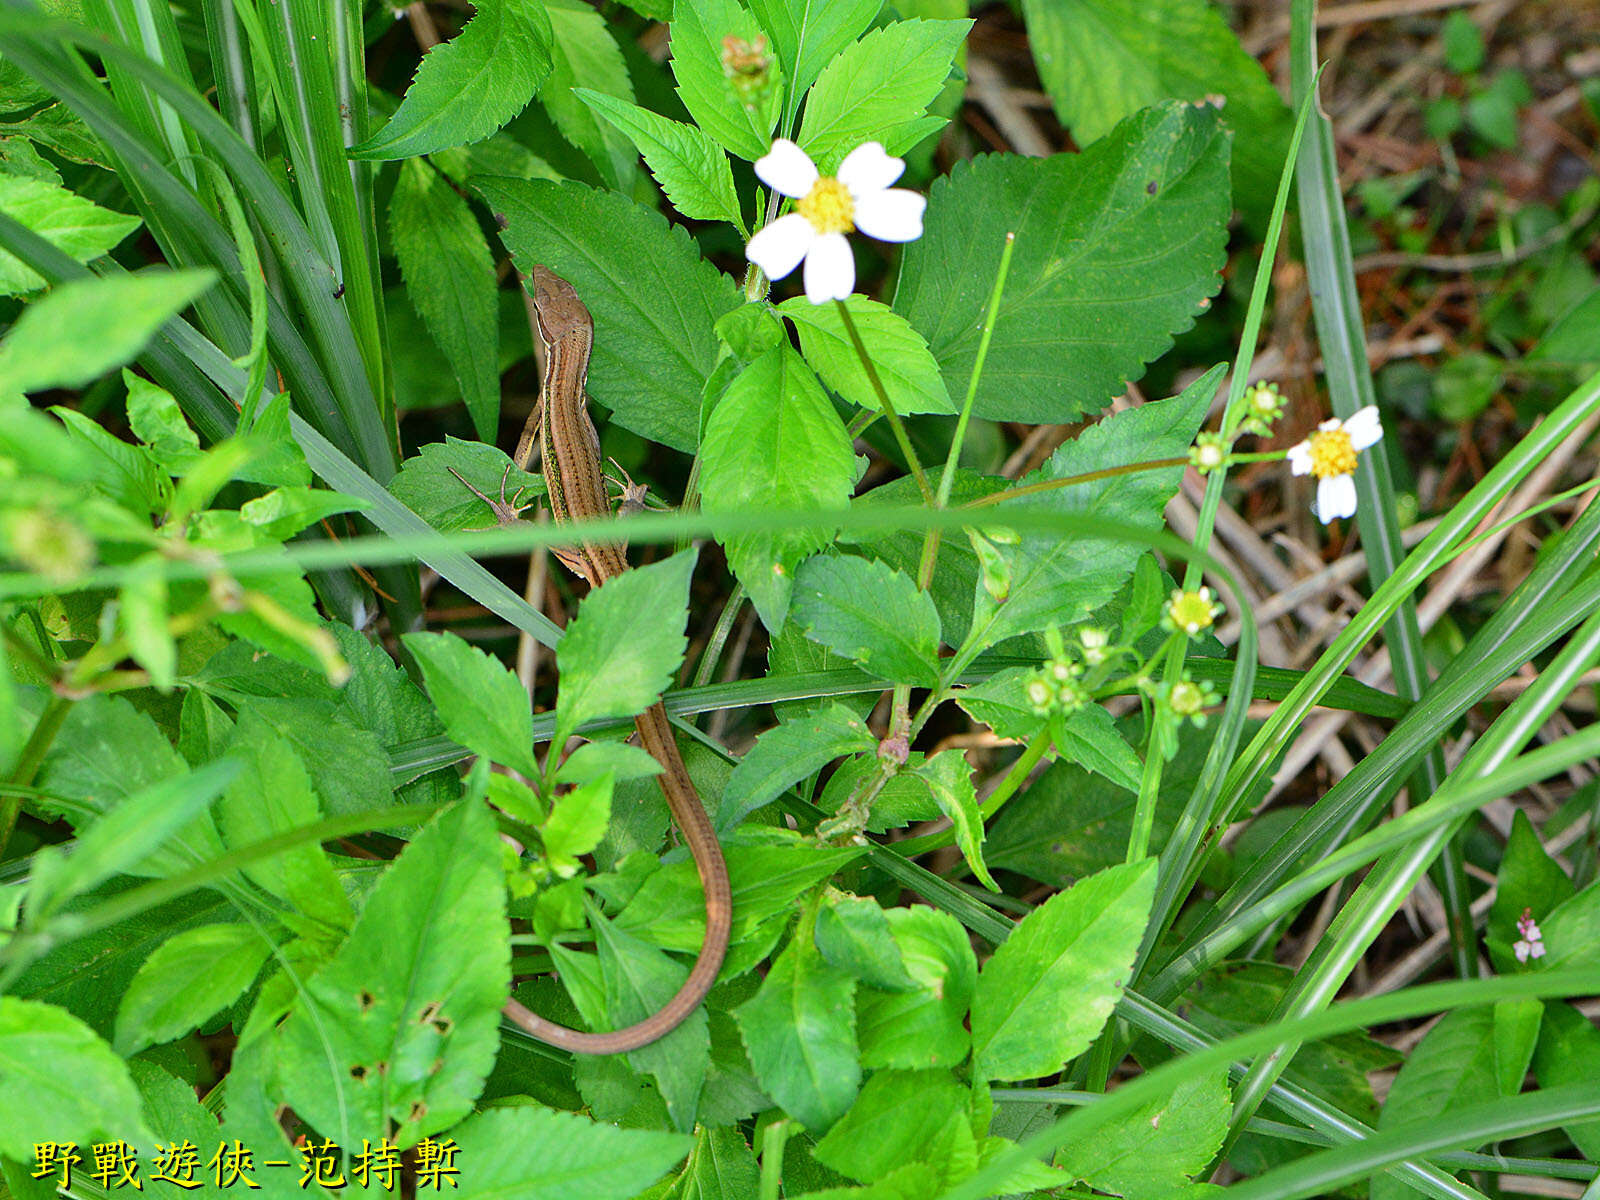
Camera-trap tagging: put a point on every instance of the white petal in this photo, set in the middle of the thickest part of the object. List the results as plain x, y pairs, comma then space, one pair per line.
1364, 427
868, 169
779, 247
1331, 423
894, 215
830, 269
1336, 497
1300, 458
1536, 949
1521, 951
787, 168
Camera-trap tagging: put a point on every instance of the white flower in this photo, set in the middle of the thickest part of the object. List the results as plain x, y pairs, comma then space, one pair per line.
1330, 455
1531, 944
827, 208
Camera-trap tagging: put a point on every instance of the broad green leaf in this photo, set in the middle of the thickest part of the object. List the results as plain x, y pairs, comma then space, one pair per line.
1574, 337
348, 765
1452, 1067
1569, 1052
949, 778
741, 120
60, 1083
1516, 1033
126, 839
900, 1117
618, 759
787, 753
125, 473
621, 650
791, 653
535, 1153
403, 1024
899, 354
88, 975
654, 299
142, 617
800, 1031
1104, 60
867, 611
272, 795
669, 909
1117, 250
75, 226
158, 422
85, 328
923, 1027
1055, 580
807, 34
1093, 742
449, 277
444, 483
483, 705
587, 58
691, 168
187, 981
576, 823
1572, 934
176, 1116
853, 934
775, 444
879, 89
1528, 879
285, 511
1156, 1149
720, 1167
470, 86
638, 980
1046, 993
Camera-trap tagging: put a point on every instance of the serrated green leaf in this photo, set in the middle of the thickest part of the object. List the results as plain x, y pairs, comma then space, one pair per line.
142, 616
721, 1166
853, 934
1156, 1149
158, 422
1104, 60
1091, 740
587, 58
800, 1031
741, 124
536, 1153
444, 483
1117, 250
59, 1082
923, 1027
576, 823
1047, 991
949, 778
807, 34
402, 1025
654, 299
88, 327
900, 1117
449, 278
126, 839
787, 753
348, 766
127, 474
471, 85
905, 366
75, 226
691, 168
1055, 580
775, 443
867, 611
189, 978
669, 909
878, 90
621, 650
285, 511
483, 705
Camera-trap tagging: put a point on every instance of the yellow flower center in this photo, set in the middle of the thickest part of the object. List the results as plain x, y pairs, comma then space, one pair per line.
1191, 611
1332, 454
828, 206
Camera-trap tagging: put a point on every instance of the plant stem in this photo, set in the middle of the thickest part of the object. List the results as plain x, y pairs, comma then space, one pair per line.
900, 434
